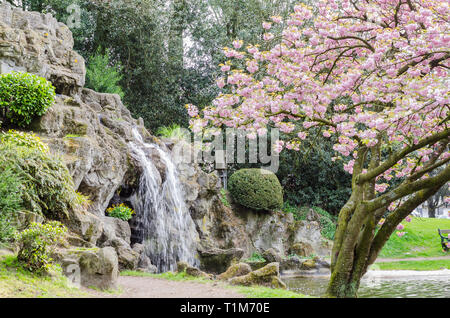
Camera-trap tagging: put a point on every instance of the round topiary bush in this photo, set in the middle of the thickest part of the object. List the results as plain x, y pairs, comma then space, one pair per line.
256, 190
24, 96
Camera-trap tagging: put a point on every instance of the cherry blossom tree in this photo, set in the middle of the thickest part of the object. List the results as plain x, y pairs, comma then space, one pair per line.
373, 75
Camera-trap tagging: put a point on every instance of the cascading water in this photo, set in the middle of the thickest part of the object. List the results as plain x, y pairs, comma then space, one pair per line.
168, 230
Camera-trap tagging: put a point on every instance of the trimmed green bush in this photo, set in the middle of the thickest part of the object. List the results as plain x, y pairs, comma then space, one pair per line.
35, 242
48, 185
24, 96
256, 190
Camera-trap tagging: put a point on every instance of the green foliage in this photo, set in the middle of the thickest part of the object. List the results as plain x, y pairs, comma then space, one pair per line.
327, 223
48, 183
256, 257
171, 132
120, 211
11, 192
310, 178
35, 243
23, 139
101, 76
256, 190
326, 220
24, 96
223, 197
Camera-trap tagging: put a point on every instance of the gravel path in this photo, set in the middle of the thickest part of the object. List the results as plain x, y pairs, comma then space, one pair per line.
149, 287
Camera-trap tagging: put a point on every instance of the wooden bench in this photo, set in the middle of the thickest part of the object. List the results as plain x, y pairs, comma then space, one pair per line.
444, 239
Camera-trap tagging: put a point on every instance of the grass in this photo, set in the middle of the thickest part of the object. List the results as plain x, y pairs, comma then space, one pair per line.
251, 292
431, 265
17, 282
421, 239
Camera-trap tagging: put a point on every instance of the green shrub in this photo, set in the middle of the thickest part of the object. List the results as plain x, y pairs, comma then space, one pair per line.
35, 242
23, 139
256, 257
11, 191
102, 76
47, 182
172, 132
256, 190
120, 211
24, 96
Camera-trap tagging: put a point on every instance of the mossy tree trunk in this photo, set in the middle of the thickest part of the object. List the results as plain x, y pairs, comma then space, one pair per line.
357, 243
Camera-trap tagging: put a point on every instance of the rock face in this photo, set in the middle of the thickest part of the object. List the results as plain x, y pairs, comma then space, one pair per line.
37, 43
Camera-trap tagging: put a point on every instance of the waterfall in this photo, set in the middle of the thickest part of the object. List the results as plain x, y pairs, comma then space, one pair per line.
168, 230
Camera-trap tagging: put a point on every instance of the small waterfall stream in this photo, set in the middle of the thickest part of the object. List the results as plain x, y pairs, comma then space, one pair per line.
169, 233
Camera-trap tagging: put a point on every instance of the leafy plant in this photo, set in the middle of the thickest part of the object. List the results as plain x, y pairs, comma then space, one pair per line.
48, 183
223, 197
23, 139
171, 132
256, 257
256, 190
35, 242
120, 211
102, 75
11, 191
24, 96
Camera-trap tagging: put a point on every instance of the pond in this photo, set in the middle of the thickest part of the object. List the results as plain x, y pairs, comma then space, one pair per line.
434, 286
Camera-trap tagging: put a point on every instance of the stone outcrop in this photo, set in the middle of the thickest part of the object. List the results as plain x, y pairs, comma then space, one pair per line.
39, 44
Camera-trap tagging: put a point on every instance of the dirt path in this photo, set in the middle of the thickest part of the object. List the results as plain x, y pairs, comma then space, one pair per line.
149, 287
384, 260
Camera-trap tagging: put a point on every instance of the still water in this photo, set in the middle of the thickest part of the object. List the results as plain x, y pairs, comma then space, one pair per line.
402, 287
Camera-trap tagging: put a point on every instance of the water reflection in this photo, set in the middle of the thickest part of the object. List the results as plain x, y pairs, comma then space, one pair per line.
434, 287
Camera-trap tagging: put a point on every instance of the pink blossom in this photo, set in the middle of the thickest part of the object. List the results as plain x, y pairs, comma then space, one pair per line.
267, 25
400, 227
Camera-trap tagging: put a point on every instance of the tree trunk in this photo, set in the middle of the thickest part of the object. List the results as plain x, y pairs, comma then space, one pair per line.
356, 245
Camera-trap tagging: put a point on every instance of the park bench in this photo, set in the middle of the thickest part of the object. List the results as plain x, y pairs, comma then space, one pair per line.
444, 234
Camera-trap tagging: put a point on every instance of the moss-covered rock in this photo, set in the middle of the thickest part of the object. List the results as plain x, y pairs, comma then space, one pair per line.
235, 270
309, 264
268, 276
257, 189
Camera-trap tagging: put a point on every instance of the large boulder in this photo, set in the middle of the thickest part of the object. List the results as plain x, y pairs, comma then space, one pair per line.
302, 249
272, 256
268, 276
235, 270
217, 260
90, 267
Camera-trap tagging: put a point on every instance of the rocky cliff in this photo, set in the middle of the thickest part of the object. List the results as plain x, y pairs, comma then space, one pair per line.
92, 132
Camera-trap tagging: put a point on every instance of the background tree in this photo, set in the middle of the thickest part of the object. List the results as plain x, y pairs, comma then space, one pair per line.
389, 60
